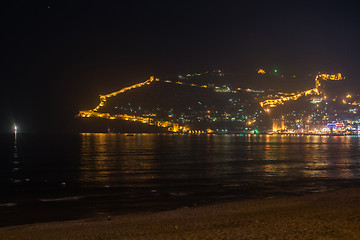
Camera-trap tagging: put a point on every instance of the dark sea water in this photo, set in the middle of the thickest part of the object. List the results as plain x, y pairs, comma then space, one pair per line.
60, 177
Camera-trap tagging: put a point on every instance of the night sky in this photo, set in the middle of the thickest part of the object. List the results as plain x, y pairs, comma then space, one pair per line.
58, 56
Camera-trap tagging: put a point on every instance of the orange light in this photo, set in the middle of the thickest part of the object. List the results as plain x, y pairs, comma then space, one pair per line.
261, 71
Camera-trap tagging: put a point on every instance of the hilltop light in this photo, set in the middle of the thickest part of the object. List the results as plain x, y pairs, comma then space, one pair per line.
261, 71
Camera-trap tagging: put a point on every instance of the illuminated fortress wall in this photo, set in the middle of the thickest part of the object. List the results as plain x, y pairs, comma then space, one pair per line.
329, 85
324, 84
170, 126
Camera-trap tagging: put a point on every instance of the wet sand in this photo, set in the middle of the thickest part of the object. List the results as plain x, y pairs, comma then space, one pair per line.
331, 215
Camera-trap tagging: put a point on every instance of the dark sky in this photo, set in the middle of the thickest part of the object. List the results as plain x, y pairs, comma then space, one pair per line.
59, 55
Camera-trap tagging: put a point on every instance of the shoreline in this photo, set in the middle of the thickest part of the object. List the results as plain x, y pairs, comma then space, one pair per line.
327, 215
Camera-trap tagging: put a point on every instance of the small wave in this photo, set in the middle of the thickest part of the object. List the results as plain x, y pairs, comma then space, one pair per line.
179, 194
60, 199
7, 204
233, 185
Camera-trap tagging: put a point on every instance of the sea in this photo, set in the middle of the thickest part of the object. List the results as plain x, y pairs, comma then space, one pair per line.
53, 177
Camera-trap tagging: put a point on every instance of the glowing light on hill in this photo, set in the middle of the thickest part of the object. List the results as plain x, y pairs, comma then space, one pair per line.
261, 71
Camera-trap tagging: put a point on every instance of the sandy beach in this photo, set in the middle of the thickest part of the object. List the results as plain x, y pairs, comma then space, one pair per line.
330, 215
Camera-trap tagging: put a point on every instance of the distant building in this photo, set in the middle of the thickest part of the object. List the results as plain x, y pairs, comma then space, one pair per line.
278, 125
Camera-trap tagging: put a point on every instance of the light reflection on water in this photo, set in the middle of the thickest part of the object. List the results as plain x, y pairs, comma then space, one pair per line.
156, 160
109, 157
116, 173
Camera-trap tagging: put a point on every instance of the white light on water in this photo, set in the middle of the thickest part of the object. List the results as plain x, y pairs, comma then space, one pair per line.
15, 129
